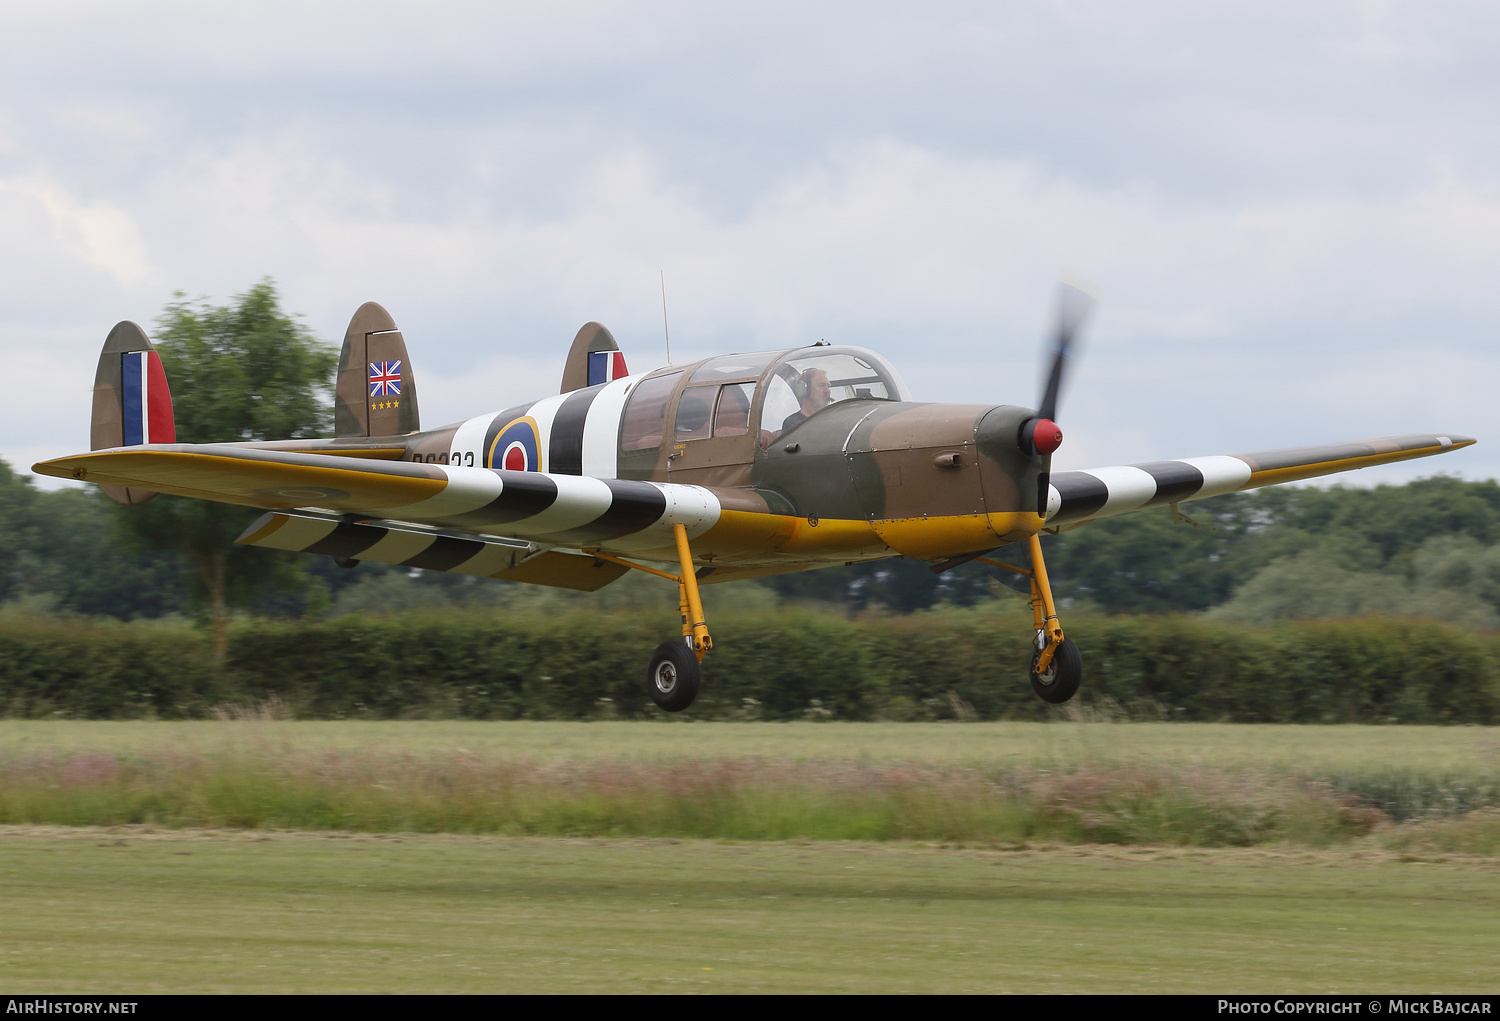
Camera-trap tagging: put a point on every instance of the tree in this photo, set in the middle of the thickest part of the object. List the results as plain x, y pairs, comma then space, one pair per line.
243, 371
79, 560
17, 532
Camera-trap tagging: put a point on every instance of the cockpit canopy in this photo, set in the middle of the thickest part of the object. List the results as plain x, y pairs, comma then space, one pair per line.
806, 381
720, 397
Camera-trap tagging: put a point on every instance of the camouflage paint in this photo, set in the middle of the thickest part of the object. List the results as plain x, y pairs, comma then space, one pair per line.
864, 478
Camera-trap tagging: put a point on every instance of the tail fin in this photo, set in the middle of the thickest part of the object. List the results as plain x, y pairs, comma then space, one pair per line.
375, 394
132, 403
594, 358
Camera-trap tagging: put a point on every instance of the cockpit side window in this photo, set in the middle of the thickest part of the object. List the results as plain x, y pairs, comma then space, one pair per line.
732, 418
644, 421
695, 412
704, 411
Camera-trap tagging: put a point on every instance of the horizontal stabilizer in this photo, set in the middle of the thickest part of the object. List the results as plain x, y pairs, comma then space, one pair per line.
429, 550
1079, 496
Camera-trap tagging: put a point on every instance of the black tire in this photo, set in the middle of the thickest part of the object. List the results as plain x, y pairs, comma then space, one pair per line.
1062, 677
673, 677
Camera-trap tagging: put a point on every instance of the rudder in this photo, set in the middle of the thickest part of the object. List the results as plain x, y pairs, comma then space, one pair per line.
594, 358
132, 402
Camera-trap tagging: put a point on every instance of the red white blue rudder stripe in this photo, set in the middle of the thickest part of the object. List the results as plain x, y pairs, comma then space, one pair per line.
606, 366
146, 406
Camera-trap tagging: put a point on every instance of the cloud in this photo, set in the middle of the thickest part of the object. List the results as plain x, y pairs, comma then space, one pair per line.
1292, 214
99, 232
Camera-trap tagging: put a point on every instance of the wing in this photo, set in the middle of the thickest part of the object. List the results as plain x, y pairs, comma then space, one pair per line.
554, 510
430, 549
742, 534
1077, 497
424, 514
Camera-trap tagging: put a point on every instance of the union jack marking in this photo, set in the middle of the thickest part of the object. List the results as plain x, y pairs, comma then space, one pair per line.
385, 379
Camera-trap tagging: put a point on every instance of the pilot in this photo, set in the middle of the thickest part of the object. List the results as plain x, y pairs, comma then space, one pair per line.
813, 394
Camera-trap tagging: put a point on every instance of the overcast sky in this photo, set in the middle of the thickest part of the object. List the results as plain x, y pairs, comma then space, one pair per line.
1292, 211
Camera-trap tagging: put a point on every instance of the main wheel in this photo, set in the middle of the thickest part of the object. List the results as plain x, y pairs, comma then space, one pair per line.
1059, 682
673, 676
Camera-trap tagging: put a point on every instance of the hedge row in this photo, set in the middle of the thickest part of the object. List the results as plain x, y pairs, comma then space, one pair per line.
773, 665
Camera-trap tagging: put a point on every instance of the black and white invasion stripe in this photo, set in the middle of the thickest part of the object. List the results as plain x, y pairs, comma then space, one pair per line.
577, 432
564, 510
386, 544
1102, 492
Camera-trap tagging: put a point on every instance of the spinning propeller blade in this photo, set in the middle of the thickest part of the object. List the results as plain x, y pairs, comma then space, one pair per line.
1074, 305
1041, 435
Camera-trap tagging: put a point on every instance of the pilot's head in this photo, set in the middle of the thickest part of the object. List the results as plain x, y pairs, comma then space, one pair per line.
817, 394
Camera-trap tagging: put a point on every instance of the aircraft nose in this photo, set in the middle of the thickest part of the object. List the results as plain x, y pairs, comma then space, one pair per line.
1041, 435
1015, 471
1001, 434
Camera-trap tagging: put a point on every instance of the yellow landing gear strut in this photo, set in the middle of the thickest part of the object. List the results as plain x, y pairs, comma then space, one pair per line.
694, 628
1056, 666
675, 672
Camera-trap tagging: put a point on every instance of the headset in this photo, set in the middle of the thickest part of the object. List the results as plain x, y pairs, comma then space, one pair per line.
801, 383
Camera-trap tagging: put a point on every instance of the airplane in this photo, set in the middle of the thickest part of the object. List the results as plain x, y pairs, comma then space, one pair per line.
730, 467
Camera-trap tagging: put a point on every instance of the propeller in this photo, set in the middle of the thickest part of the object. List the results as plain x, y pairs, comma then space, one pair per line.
1041, 435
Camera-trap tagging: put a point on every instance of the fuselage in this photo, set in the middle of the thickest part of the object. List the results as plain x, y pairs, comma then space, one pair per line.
763, 462
766, 462
869, 474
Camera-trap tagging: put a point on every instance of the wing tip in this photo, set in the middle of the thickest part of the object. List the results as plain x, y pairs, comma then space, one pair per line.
59, 468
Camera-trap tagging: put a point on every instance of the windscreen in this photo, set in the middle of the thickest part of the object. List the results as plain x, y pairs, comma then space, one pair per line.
807, 381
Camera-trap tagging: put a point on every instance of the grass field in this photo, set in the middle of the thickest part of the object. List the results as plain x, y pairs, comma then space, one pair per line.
1060, 857
135, 911
1307, 749
1185, 784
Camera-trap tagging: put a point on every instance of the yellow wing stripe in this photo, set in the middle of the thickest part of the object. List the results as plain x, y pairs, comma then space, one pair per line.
1297, 473
1078, 496
249, 481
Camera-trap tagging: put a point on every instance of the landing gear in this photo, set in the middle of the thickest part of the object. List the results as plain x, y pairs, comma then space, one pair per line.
675, 672
1059, 682
1056, 665
673, 677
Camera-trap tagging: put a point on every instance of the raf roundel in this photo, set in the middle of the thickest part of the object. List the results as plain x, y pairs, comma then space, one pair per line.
515, 448
514, 458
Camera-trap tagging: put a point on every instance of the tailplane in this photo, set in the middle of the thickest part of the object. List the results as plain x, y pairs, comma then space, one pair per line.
132, 403
376, 394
